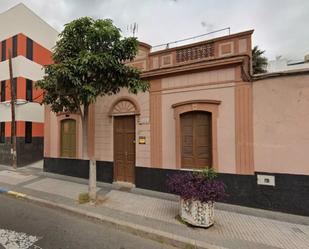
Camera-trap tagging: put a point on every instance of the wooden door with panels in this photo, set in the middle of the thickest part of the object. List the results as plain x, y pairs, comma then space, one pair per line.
196, 140
124, 148
68, 138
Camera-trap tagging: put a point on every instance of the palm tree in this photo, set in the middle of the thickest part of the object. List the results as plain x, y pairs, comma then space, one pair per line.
259, 62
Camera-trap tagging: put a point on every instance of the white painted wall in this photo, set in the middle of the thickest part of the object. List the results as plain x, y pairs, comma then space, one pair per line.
20, 19
31, 112
283, 64
22, 67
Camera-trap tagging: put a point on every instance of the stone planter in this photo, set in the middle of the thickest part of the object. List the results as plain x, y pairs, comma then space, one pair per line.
197, 213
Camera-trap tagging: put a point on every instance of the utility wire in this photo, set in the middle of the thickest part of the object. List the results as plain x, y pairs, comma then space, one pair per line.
193, 37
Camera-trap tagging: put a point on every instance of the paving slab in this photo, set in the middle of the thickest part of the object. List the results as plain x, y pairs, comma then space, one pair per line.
155, 208
15, 177
151, 215
228, 225
58, 187
37, 165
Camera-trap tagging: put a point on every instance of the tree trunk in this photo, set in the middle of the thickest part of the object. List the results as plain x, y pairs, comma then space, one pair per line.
92, 180
92, 163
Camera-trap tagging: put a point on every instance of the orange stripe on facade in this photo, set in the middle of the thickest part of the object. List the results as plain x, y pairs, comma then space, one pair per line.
20, 128
21, 45
37, 129
41, 55
37, 94
7, 129
9, 43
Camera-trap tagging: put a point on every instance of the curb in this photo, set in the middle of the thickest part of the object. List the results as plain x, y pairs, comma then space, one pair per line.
139, 230
3, 190
13, 193
16, 194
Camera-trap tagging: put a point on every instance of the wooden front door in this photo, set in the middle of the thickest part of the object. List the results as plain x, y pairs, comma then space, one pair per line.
68, 138
195, 140
124, 148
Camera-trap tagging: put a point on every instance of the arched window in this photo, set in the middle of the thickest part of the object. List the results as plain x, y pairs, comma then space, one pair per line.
124, 106
196, 133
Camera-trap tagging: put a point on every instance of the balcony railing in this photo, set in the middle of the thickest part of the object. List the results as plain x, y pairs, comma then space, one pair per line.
195, 53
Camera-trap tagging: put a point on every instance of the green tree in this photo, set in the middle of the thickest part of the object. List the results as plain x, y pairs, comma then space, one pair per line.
259, 62
89, 61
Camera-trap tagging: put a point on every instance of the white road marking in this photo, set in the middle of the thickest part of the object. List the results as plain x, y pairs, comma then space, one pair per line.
14, 240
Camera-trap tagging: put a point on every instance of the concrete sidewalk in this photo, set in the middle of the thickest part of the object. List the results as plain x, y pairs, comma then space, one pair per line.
152, 214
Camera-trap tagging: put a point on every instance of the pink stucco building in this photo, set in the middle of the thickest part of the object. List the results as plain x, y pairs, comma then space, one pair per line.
204, 109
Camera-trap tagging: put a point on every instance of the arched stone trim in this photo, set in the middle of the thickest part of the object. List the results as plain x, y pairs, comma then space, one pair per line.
203, 101
60, 118
124, 106
66, 113
210, 106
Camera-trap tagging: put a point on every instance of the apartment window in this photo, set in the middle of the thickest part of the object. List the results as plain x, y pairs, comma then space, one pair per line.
29, 87
2, 132
3, 50
14, 46
28, 132
2, 91
29, 50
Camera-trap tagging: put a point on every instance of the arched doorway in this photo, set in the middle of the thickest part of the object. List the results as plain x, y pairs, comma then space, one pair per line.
123, 112
68, 138
196, 149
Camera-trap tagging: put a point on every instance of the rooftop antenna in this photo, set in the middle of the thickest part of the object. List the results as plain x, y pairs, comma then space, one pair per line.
132, 29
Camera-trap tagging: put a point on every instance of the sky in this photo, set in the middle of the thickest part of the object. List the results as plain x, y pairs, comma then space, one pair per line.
281, 26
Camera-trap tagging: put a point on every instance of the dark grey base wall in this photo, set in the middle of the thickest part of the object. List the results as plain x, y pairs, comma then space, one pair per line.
152, 178
78, 168
5, 152
27, 153
105, 171
290, 194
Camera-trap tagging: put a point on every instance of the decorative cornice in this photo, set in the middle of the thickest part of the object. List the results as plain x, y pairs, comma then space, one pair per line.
204, 64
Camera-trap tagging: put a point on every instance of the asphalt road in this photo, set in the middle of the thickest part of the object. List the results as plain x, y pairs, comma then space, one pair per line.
22, 223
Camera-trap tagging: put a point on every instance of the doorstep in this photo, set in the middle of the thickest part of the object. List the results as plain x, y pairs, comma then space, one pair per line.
121, 184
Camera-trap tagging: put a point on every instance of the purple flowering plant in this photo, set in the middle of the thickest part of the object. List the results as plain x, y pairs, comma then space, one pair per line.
197, 185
